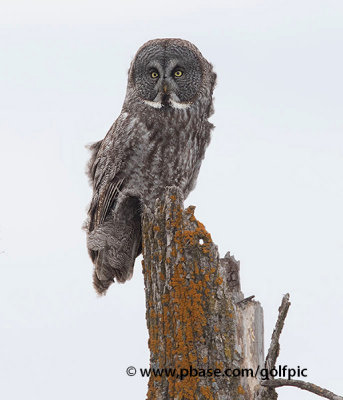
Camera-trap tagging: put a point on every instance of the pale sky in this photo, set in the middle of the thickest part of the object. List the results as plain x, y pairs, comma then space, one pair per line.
270, 189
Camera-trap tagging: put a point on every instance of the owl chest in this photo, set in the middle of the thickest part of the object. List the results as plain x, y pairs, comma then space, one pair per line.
165, 157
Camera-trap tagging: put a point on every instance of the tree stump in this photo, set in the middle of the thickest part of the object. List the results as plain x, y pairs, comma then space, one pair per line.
201, 329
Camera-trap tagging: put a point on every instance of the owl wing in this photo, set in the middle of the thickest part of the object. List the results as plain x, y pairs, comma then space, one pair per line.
103, 172
114, 224
103, 203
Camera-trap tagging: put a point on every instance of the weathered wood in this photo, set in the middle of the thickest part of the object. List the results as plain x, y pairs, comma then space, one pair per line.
192, 315
250, 340
249, 333
274, 348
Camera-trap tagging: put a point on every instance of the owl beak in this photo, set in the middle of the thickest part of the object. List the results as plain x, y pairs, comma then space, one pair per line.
165, 94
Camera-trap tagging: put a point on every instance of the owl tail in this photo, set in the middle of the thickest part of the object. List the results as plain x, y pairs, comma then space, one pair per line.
114, 245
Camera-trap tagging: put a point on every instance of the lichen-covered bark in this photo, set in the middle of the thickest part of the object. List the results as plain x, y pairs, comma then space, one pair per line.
190, 315
198, 317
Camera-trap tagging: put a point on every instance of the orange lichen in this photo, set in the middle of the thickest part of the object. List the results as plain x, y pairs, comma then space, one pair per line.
176, 220
219, 280
156, 228
219, 365
206, 392
196, 268
173, 252
184, 238
240, 390
190, 210
188, 321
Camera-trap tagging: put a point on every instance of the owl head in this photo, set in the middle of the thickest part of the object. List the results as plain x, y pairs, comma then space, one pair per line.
170, 73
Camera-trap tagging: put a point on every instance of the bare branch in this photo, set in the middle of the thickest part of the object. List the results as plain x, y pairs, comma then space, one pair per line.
267, 392
275, 383
274, 348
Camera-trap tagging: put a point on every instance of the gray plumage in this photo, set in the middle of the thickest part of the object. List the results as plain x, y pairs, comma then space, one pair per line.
158, 140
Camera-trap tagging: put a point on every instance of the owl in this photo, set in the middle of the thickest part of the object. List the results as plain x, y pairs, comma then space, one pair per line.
158, 140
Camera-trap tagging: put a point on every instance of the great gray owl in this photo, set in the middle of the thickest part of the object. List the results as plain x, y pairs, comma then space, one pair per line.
158, 140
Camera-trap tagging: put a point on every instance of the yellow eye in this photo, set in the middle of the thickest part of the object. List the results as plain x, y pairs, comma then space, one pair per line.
178, 73
154, 74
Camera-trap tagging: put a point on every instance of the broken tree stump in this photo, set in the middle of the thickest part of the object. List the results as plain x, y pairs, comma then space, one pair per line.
200, 326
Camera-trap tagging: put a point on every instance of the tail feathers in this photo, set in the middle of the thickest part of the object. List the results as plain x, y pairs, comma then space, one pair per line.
114, 245
101, 285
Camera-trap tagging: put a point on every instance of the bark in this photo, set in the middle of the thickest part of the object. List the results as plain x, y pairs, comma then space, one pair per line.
194, 323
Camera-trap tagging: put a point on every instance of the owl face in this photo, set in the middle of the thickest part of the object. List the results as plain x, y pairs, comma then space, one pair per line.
167, 74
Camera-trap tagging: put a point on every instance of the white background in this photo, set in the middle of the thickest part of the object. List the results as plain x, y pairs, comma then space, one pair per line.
270, 189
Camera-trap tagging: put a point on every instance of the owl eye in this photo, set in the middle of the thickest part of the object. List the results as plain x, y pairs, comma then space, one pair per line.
178, 73
154, 74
